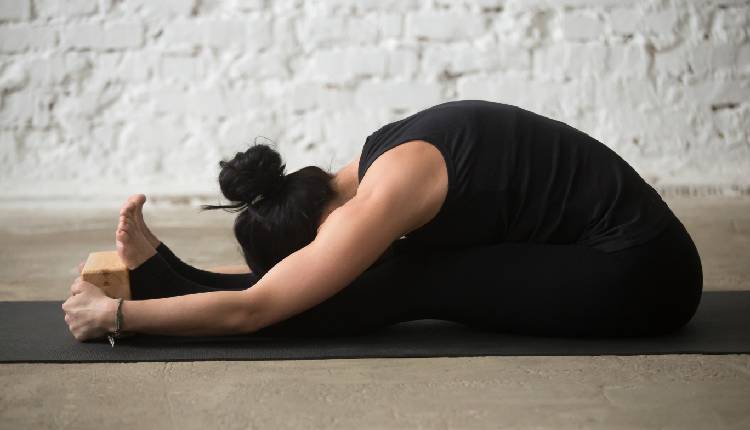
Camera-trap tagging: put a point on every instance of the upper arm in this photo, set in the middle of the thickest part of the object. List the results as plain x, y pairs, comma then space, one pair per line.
400, 192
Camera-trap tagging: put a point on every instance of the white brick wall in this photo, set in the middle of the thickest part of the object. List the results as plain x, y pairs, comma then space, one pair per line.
110, 97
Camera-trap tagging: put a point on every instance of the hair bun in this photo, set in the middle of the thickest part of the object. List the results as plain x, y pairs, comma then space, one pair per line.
257, 172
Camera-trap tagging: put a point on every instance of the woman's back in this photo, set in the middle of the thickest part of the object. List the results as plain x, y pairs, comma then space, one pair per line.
516, 176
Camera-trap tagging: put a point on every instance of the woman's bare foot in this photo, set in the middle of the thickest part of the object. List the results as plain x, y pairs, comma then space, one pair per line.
132, 246
134, 207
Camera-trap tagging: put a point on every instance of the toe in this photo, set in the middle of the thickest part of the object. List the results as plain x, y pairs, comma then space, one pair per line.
127, 207
137, 200
124, 206
121, 235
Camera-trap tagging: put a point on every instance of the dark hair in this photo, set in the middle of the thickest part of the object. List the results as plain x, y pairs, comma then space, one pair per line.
278, 213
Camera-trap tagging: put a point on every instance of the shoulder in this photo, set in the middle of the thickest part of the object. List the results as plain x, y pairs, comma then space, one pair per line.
411, 179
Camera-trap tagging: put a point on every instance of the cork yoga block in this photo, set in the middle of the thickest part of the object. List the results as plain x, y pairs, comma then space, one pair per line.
106, 271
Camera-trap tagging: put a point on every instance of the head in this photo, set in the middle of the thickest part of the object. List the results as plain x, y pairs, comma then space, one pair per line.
277, 213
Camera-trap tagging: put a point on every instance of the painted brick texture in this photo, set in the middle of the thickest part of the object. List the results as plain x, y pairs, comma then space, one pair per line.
102, 97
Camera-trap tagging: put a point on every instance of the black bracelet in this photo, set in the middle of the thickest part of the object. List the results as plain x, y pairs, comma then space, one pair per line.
118, 324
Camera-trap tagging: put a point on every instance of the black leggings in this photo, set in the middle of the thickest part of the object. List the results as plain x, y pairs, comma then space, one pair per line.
524, 288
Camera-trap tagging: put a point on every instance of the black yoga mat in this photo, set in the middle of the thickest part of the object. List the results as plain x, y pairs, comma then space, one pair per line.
36, 332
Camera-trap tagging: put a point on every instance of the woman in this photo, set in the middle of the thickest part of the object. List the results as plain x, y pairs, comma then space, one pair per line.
471, 211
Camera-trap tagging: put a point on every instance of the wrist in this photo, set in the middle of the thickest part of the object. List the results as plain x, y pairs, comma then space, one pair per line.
110, 315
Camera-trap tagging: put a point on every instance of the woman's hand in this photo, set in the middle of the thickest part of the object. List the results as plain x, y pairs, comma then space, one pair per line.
89, 313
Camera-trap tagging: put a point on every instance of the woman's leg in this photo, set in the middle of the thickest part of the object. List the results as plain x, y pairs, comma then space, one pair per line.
155, 278
133, 210
524, 288
541, 289
228, 281
570, 290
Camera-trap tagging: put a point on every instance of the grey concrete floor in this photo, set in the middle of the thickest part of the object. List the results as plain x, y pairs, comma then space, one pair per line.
41, 247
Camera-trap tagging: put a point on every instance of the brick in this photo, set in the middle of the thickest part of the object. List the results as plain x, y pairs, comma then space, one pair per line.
8, 150
334, 98
650, 124
181, 36
444, 25
338, 65
402, 63
706, 58
390, 25
632, 93
363, 30
89, 102
237, 133
46, 71
119, 35
161, 8
725, 55
719, 92
363, 6
629, 60
284, 34
251, 5
662, 22
40, 139
461, 58
743, 57
205, 101
673, 62
223, 34
349, 129
304, 96
535, 95
594, 4
181, 68
229, 34
731, 24
13, 77
732, 122
64, 9
305, 131
22, 38
570, 61
17, 109
266, 65
137, 66
322, 31
152, 135
408, 96
581, 26
624, 21
15, 10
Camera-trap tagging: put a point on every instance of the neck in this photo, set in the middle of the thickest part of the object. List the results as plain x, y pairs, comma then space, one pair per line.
344, 184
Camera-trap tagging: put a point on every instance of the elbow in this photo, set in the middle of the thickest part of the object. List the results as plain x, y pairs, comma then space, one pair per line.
248, 318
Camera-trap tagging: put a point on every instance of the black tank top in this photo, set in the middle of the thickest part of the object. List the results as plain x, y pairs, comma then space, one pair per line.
516, 176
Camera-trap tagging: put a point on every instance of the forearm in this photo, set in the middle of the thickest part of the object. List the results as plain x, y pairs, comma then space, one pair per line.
214, 313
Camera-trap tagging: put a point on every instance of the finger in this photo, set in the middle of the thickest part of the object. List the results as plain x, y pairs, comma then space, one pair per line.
80, 267
77, 287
